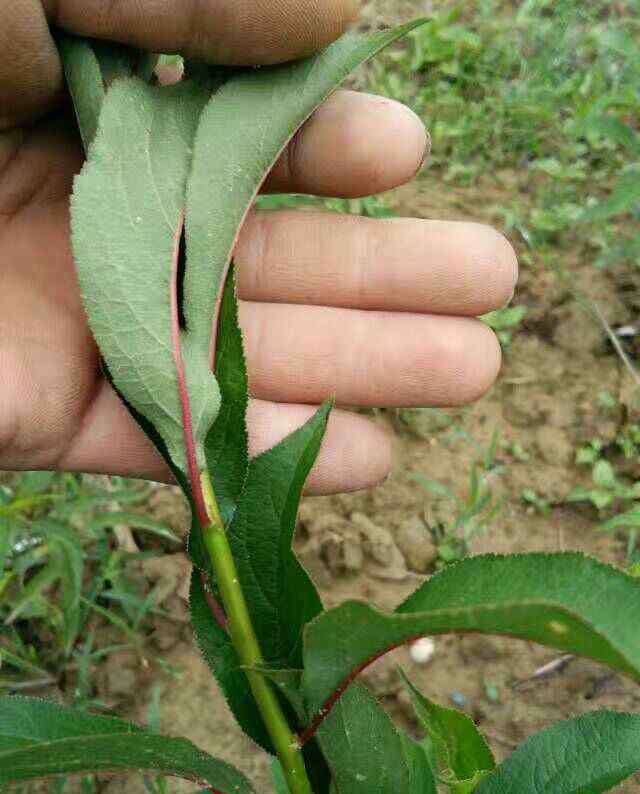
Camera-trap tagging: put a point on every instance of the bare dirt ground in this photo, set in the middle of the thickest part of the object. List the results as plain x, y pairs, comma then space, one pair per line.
363, 545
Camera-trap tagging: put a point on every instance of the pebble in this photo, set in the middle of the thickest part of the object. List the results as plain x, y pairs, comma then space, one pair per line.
423, 650
458, 699
416, 544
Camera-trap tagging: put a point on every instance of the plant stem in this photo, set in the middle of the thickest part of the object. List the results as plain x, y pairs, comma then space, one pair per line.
246, 644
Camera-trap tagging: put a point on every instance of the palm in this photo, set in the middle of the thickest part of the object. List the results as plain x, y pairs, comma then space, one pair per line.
50, 362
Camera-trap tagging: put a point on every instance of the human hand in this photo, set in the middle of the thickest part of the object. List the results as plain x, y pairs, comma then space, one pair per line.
375, 312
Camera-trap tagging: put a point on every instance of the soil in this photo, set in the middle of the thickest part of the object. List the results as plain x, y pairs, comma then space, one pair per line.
364, 545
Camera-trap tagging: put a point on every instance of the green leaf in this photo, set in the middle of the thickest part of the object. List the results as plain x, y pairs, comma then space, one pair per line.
616, 130
629, 520
226, 445
242, 131
278, 777
459, 746
134, 184
281, 596
216, 648
90, 68
368, 754
135, 521
585, 755
5, 541
624, 197
34, 589
287, 681
65, 545
39, 739
604, 474
567, 601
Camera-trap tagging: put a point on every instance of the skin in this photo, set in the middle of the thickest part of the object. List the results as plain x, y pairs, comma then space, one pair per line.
375, 312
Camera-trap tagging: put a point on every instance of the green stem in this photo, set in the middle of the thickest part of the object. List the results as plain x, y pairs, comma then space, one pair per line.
246, 644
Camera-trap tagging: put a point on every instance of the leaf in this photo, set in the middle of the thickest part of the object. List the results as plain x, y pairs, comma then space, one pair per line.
127, 214
567, 601
226, 446
219, 653
288, 682
66, 546
585, 755
629, 520
279, 780
616, 130
135, 521
242, 131
368, 754
5, 542
39, 739
279, 592
90, 68
624, 197
35, 587
458, 744
604, 474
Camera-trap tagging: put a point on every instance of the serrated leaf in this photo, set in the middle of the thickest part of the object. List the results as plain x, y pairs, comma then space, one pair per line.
585, 755
281, 596
242, 131
127, 214
567, 601
227, 444
39, 739
459, 746
90, 68
218, 651
368, 754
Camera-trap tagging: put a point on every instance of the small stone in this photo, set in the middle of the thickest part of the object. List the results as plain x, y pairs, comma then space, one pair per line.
327, 523
378, 543
396, 572
416, 544
343, 553
422, 651
121, 683
458, 699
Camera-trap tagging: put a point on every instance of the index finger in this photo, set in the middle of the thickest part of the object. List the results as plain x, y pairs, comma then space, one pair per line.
233, 32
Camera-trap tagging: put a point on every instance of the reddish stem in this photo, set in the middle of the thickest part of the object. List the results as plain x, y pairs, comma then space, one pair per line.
187, 421
216, 609
312, 728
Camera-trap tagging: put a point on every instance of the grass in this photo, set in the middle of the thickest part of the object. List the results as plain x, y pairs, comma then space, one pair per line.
67, 544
